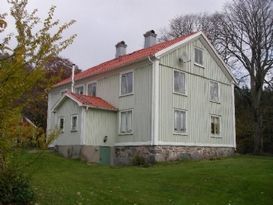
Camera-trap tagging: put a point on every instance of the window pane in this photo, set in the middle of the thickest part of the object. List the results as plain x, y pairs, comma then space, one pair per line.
179, 82
215, 125
129, 121
74, 122
183, 121
92, 89
79, 90
127, 83
123, 122
179, 121
198, 56
61, 126
214, 91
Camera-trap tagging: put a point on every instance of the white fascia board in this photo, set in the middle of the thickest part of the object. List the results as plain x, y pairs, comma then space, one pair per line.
190, 38
62, 98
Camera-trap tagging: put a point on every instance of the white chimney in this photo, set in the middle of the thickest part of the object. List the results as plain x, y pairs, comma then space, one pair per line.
120, 49
149, 38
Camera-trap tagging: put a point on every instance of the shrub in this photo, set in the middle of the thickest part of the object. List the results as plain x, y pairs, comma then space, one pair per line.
15, 188
139, 161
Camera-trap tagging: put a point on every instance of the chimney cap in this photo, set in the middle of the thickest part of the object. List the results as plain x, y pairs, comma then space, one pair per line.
121, 44
150, 33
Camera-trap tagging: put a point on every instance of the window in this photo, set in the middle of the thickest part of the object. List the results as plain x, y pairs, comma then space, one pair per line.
91, 89
179, 121
126, 85
61, 124
179, 82
214, 91
79, 90
126, 122
215, 125
74, 122
198, 56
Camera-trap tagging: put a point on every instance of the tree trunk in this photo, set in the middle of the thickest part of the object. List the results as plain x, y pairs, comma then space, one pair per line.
256, 93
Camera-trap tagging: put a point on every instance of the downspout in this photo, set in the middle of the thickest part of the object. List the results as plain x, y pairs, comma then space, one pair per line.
73, 78
155, 101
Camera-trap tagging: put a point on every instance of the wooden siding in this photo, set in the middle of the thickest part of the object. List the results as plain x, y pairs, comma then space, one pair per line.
196, 102
98, 124
68, 137
108, 86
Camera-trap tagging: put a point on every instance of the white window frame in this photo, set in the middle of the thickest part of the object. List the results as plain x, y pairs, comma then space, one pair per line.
93, 82
119, 127
220, 126
175, 92
81, 85
211, 100
77, 123
197, 63
186, 122
133, 82
59, 123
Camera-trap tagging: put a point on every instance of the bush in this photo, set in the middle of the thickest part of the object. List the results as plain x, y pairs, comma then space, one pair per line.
15, 188
139, 161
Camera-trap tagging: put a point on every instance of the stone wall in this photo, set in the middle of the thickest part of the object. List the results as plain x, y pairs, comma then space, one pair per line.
151, 154
83, 152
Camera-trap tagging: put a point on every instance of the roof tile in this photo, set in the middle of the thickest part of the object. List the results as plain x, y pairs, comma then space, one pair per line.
123, 60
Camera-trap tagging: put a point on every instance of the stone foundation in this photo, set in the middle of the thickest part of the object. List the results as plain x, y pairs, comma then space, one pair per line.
151, 154
83, 152
125, 154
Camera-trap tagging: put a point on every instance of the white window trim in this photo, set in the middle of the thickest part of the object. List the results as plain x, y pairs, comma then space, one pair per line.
77, 123
86, 90
80, 85
186, 88
219, 96
133, 83
119, 122
180, 133
220, 122
59, 123
195, 63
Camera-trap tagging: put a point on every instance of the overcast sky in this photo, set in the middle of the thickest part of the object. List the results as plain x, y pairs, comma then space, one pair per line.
102, 23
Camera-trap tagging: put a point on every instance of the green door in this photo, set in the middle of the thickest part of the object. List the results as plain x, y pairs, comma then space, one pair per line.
105, 155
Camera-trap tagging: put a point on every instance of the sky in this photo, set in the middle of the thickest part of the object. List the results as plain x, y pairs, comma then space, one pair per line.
100, 24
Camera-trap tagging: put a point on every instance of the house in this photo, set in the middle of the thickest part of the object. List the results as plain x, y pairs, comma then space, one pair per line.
167, 101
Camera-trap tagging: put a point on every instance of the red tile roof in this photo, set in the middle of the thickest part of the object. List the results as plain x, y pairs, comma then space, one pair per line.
124, 60
91, 101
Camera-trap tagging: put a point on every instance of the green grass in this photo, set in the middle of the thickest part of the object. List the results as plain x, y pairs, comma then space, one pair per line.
239, 180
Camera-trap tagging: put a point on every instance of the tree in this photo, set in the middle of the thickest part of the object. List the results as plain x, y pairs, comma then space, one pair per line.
247, 34
56, 69
23, 66
243, 36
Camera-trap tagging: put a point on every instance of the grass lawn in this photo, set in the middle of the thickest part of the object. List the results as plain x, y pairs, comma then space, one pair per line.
239, 180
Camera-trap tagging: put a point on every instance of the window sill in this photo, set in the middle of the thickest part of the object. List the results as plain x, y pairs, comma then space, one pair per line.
199, 65
125, 133
217, 102
216, 136
180, 133
181, 94
128, 94
74, 131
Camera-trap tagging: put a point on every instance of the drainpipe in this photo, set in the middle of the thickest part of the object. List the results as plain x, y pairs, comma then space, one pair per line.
72, 78
155, 101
